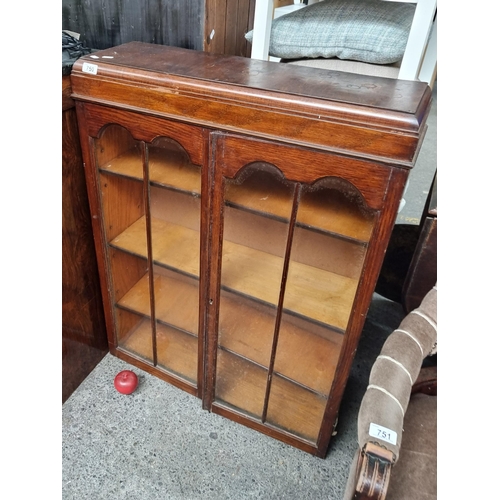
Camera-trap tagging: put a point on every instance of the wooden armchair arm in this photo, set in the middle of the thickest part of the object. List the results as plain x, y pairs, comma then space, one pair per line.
396, 374
373, 473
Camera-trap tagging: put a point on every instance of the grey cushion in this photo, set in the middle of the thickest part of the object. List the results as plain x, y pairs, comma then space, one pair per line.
372, 31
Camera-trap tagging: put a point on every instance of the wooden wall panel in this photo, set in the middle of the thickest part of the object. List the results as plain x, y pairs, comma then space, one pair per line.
226, 22
106, 23
216, 26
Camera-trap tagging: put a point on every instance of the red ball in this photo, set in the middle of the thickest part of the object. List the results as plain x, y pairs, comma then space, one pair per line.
126, 382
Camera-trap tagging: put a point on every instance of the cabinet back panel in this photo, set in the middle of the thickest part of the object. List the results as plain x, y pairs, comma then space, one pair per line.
332, 254
176, 300
178, 208
135, 334
126, 271
304, 354
122, 203
255, 231
115, 140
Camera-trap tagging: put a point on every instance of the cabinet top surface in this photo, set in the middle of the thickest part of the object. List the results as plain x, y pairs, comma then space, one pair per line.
383, 93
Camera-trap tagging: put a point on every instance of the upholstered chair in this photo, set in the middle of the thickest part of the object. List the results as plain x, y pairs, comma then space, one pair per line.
397, 421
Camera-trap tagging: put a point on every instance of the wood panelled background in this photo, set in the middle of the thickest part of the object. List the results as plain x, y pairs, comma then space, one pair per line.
180, 23
229, 20
106, 23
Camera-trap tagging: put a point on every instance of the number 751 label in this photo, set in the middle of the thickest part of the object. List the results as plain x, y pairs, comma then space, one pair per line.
383, 433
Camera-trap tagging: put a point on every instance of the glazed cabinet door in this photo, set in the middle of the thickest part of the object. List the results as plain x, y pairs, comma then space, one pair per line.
291, 234
149, 193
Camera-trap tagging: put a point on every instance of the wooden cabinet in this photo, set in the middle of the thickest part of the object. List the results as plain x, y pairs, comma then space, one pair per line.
241, 212
84, 341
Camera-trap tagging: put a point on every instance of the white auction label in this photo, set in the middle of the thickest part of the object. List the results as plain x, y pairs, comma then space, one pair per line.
377, 431
89, 68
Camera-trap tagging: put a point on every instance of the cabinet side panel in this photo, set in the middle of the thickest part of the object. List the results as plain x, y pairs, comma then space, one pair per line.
83, 317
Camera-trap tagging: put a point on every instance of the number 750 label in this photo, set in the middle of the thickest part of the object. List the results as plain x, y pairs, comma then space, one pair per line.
383, 433
89, 68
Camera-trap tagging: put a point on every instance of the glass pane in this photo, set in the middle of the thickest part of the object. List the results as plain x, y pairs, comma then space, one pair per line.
332, 230
175, 246
258, 204
120, 170
331, 234
295, 409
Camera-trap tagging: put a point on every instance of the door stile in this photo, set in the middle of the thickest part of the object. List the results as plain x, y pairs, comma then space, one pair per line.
147, 198
216, 221
205, 260
279, 311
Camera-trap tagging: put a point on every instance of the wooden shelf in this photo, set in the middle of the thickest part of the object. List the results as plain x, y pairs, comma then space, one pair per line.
176, 301
311, 292
128, 164
322, 212
263, 194
174, 246
166, 168
301, 356
323, 296
139, 341
174, 170
295, 409
241, 384
177, 352
344, 215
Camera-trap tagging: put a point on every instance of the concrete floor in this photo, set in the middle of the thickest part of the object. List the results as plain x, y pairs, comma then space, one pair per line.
159, 444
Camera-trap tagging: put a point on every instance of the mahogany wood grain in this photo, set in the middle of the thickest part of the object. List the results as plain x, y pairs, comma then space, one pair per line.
67, 101
381, 119
84, 341
236, 152
190, 138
